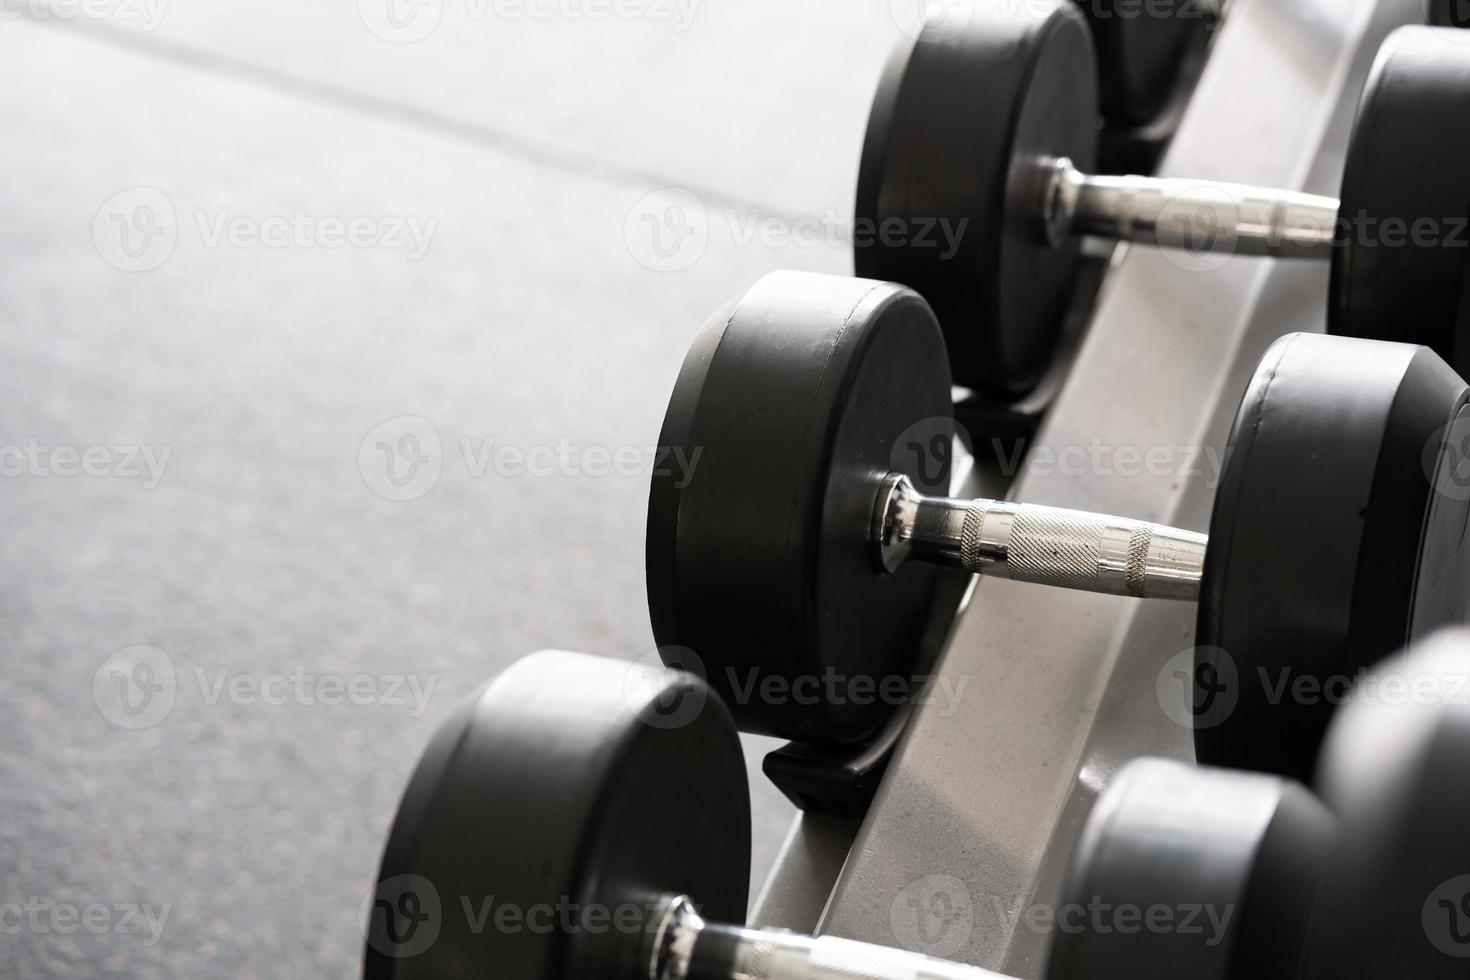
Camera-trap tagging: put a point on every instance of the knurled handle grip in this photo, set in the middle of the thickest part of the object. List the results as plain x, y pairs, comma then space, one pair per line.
1078, 550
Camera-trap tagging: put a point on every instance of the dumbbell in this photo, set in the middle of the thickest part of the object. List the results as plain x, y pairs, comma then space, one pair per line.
592, 803
1140, 48
988, 134
1397, 899
800, 553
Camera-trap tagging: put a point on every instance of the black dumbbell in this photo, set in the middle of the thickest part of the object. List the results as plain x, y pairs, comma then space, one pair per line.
1397, 902
1140, 49
807, 541
564, 824
989, 133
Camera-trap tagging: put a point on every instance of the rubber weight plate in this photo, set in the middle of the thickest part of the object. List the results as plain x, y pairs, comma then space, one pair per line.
565, 797
1228, 865
1338, 534
1398, 903
791, 406
1400, 273
1139, 50
952, 179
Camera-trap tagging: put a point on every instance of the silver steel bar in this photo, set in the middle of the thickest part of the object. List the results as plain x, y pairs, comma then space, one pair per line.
767, 954
1195, 215
1068, 549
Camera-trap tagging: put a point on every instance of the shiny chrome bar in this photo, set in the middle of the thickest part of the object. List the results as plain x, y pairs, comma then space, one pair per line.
1068, 549
1194, 215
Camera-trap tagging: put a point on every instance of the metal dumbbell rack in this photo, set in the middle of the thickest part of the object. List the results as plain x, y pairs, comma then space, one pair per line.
1061, 688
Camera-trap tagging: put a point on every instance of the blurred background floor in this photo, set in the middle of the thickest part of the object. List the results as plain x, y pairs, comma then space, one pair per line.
336, 337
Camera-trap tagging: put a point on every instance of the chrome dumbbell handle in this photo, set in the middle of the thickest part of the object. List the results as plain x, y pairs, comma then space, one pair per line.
1068, 549
1198, 215
685, 947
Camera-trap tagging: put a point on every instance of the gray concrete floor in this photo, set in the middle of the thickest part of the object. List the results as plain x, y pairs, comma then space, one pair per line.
204, 832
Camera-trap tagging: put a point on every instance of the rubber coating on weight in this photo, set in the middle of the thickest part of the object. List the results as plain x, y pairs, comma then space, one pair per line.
1241, 855
1404, 228
570, 793
795, 402
1336, 537
961, 129
1398, 902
